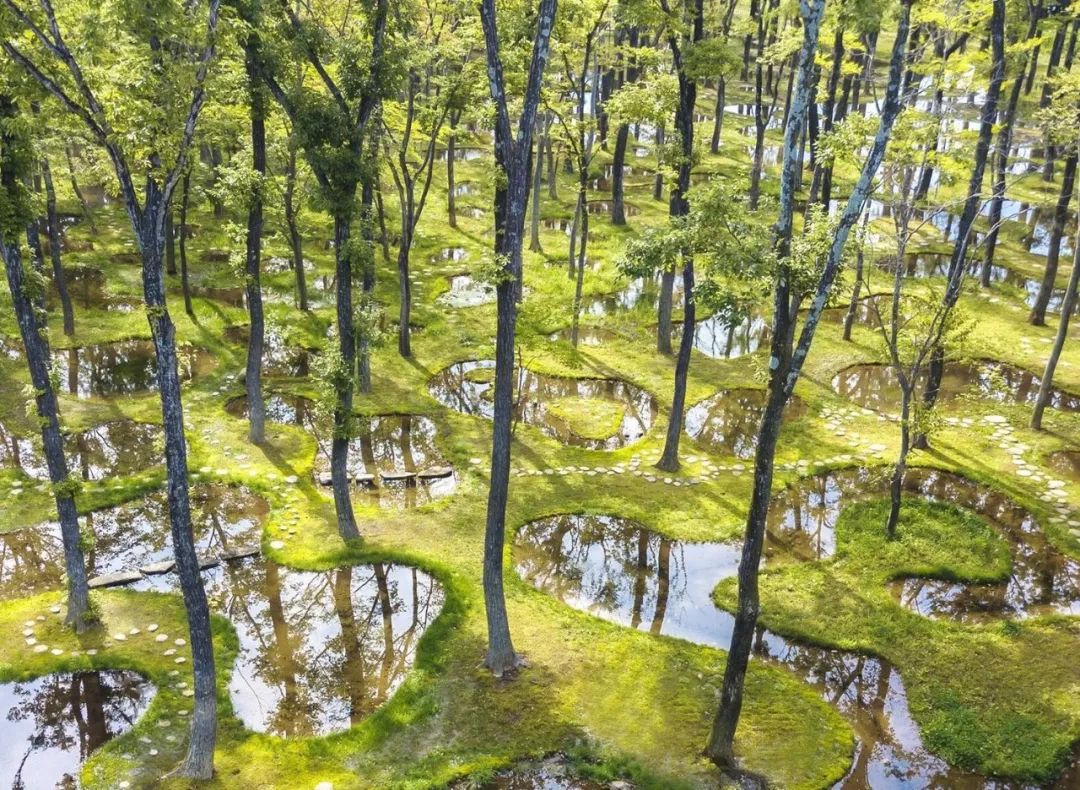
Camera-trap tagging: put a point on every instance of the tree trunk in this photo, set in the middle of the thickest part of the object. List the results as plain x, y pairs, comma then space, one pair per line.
669, 459
663, 311
658, 180
511, 196
296, 242
579, 283
451, 149
252, 286
52, 225
78, 616
1068, 305
339, 447
553, 174
571, 258
853, 305
170, 245
367, 283
1057, 233
1001, 166
618, 179
534, 198
405, 285
185, 285
200, 756
896, 484
958, 261
786, 364
718, 121
73, 179
1056, 50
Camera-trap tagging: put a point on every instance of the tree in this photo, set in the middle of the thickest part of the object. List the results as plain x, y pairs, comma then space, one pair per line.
512, 156
796, 271
1063, 132
682, 55
27, 296
173, 94
331, 121
958, 262
417, 120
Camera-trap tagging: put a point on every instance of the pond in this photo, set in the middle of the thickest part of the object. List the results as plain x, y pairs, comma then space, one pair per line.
126, 367
621, 571
720, 338
587, 335
319, 650
280, 358
729, 420
116, 448
802, 523
132, 540
394, 459
874, 386
53, 723
279, 407
598, 414
86, 287
465, 291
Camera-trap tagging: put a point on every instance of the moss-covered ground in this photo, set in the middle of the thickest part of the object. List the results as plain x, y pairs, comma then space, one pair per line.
994, 698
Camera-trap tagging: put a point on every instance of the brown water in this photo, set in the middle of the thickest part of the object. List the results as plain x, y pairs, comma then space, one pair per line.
1066, 463
53, 723
128, 537
395, 460
467, 387
874, 386
621, 571
729, 420
126, 367
87, 289
319, 650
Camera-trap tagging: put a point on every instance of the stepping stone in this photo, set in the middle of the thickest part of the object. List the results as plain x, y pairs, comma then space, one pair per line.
435, 472
240, 552
114, 579
277, 545
157, 568
40, 648
364, 479
208, 562
392, 477
326, 479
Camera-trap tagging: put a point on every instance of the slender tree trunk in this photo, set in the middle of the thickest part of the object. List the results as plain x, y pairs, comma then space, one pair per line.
1001, 166
511, 196
296, 242
1056, 50
52, 224
199, 760
958, 261
367, 283
853, 305
553, 173
571, 257
1068, 305
170, 245
74, 180
35, 341
896, 484
785, 363
618, 178
405, 306
339, 447
1057, 234
658, 179
579, 284
718, 121
185, 284
451, 150
252, 286
534, 198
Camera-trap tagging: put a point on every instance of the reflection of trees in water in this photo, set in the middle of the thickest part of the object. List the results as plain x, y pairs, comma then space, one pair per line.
534, 392
74, 713
319, 651
609, 564
129, 536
